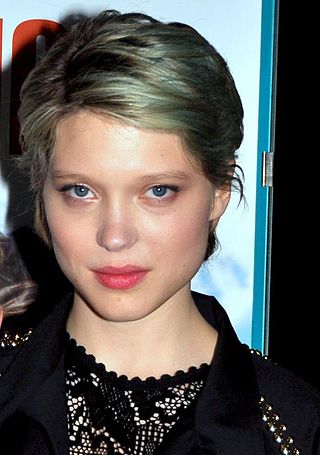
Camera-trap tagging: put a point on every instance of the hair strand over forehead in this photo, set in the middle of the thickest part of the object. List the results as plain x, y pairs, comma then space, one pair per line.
144, 72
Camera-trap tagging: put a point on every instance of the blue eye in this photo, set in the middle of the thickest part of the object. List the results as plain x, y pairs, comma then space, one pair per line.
159, 190
77, 191
81, 191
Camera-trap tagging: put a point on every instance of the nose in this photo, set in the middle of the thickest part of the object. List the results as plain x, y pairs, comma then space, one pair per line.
117, 230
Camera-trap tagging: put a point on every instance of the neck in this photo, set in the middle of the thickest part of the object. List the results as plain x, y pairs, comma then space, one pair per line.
174, 337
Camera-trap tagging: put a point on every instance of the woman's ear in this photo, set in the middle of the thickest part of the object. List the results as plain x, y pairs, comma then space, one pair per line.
220, 202
1, 315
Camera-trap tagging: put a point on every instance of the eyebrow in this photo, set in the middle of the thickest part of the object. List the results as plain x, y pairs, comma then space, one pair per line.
180, 175
68, 175
164, 175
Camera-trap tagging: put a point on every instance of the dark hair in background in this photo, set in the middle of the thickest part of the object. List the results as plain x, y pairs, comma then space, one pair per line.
17, 290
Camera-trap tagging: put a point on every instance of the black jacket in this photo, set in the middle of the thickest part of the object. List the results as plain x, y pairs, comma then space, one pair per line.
248, 406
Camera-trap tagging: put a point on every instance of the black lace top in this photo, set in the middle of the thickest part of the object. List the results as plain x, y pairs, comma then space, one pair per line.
110, 414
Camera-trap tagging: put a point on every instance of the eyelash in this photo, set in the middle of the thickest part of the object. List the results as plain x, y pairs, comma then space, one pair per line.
79, 200
71, 198
172, 188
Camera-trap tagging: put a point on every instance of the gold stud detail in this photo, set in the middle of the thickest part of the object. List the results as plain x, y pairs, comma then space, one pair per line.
259, 353
13, 340
272, 420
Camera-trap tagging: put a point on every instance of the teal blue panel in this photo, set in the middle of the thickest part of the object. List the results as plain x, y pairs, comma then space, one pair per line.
263, 195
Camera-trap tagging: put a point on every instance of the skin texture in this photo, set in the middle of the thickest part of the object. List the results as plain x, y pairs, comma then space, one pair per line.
103, 209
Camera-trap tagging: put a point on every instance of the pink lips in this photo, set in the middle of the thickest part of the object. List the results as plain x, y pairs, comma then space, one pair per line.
120, 277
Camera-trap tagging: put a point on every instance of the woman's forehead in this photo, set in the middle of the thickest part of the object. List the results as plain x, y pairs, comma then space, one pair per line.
86, 138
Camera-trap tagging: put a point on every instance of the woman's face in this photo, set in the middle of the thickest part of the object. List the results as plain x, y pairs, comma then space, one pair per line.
128, 215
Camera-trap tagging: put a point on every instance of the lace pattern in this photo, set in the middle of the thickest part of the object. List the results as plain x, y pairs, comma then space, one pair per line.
114, 415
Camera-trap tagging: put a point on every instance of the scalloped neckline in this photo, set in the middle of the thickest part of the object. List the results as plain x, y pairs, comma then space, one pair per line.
179, 377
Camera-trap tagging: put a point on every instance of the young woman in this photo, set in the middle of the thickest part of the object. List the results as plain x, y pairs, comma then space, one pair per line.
130, 128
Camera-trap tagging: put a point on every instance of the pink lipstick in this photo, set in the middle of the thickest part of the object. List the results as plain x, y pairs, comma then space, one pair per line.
120, 277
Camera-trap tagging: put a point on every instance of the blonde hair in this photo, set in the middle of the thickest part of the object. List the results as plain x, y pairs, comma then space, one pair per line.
17, 290
147, 73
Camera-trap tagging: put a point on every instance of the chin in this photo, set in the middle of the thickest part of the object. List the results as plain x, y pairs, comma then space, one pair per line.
119, 307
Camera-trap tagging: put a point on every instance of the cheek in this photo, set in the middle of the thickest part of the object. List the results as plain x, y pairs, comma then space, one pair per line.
183, 234
69, 248
67, 237
63, 242
194, 232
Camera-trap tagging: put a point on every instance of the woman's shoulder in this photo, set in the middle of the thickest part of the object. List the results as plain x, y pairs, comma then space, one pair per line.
41, 328
16, 329
11, 341
290, 406
276, 380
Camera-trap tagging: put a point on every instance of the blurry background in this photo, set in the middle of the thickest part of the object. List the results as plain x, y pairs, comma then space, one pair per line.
236, 276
